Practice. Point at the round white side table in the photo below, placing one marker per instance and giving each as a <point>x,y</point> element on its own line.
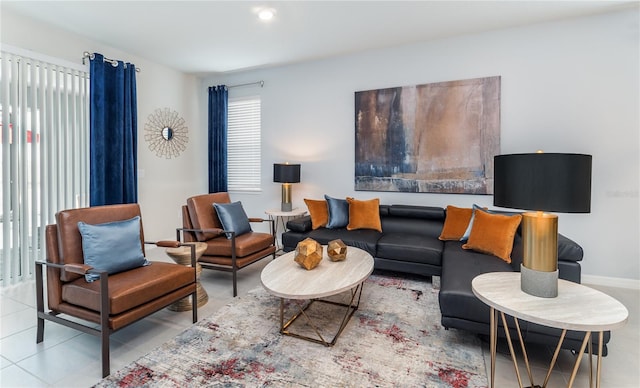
<point>280,219</point>
<point>576,307</point>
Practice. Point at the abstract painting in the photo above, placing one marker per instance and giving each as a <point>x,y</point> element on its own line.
<point>431,138</point>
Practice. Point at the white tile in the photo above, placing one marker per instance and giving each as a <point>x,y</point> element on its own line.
<point>24,293</point>
<point>17,322</point>
<point>65,358</point>
<point>10,306</point>
<point>4,363</point>
<point>14,376</point>
<point>23,344</point>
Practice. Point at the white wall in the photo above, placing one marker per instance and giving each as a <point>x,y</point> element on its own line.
<point>163,184</point>
<point>568,86</point>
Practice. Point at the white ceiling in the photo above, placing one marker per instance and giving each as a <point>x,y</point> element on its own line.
<point>222,36</point>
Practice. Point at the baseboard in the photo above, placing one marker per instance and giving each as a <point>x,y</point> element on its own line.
<point>607,281</point>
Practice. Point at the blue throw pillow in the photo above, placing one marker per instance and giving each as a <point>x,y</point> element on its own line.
<point>113,246</point>
<point>233,218</point>
<point>338,212</point>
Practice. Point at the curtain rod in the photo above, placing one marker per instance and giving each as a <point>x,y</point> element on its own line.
<point>114,62</point>
<point>261,83</point>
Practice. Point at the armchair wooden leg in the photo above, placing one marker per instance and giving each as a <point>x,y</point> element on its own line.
<point>104,323</point>
<point>104,338</point>
<point>194,303</point>
<point>39,303</point>
<point>235,285</point>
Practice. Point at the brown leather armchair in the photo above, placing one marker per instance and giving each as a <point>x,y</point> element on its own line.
<point>115,300</point>
<point>201,223</point>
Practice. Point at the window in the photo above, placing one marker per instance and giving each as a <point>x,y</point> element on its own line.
<point>243,142</point>
<point>44,154</point>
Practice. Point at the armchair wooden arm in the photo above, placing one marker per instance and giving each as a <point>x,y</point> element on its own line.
<point>272,224</point>
<point>176,244</point>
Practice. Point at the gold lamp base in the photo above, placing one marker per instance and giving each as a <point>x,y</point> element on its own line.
<point>285,206</point>
<point>539,271</point>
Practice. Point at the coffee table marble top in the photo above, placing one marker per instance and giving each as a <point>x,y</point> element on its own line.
<point>577,307</point>
<point>285,278</point>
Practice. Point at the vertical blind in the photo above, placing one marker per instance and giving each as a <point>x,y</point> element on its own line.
<point>45,155</point>
<point>243,142</point>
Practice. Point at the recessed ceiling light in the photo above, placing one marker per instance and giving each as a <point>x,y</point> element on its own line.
<point>266,14</point>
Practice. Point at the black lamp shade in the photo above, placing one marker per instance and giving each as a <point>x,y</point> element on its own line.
<point>286,173</point>
<point>545,182</point>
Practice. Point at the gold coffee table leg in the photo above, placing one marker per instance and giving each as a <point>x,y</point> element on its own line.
<point>350,309</point>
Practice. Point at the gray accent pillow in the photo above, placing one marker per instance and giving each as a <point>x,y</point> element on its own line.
<point>338,212</point>
<point>113,246</point>
<point>233,218</point>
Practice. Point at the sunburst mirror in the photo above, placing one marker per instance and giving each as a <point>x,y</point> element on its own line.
<point>166,133</point>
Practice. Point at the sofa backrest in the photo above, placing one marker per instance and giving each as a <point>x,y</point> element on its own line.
<point>419,220</point>
<point>69,242</point>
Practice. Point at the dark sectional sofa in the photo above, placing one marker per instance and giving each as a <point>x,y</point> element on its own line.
<point>409,244</point>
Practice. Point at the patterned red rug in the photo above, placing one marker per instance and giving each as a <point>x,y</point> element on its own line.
<point>394,339</point>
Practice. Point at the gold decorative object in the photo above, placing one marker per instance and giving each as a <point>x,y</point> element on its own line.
<point>308,253</point>
<point>182,256</point>
<point>337,250</point>
<point>166,133</point>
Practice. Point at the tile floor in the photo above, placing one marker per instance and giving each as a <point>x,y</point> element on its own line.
<point>68,358</point>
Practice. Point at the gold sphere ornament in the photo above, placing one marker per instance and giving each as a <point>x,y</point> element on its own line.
<point>308,253</point>
<point>337,250</point>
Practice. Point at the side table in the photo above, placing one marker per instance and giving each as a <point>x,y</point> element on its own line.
<point>576,307</point>
<point>182,255</point>
<point>280,219</point>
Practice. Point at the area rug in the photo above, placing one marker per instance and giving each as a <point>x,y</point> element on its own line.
<point>394,339</point>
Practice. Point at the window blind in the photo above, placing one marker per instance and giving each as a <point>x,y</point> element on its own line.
<point>44,155</point>
<point>243,142</point>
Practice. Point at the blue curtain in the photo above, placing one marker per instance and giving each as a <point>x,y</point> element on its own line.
<point>218,98</point>
<point>113,133</point>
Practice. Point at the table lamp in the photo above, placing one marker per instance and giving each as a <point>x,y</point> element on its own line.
<point>286,174</point>
<point>542,182</point>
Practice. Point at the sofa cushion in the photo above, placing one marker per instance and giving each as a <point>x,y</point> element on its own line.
<point>427,228</point>
<point>246,244</point>
<point>459,267</point>
<point>338,212</point>
<point>364,214</point>
<point>493,234</point>
<point>456,223</point>
<point>568,250</point>
<point>413,211</point>
<point>130,288</point>
<point>318,212</point>
<point>365,239</point>
<point>410,247</point>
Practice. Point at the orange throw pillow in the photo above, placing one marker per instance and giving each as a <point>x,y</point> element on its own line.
<point>493,234</point>
<point>364,214</point>
<point>455,223</point>
<point>318,212</point>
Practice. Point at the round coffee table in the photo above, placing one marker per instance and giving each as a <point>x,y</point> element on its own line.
<point>182,255</point>
<point>285,278</point>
